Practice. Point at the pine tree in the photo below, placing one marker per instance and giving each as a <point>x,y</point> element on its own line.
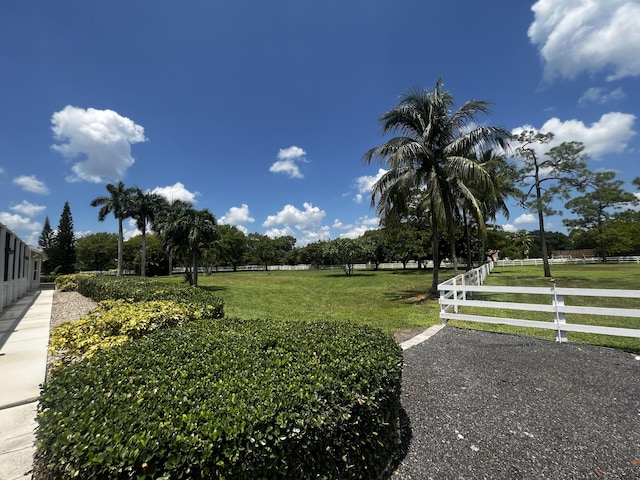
<point>63,252</point>
<point>46,244</point>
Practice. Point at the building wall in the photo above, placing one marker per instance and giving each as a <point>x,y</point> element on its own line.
<point>20,266</point>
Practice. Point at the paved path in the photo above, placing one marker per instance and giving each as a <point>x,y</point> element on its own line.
<point>489,406</point>
<point>24,336</point>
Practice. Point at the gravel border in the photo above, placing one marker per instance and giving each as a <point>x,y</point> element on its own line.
<point>483,405</point>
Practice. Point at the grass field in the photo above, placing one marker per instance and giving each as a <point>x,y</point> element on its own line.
<point>394,300</point>
<point>388,300</point>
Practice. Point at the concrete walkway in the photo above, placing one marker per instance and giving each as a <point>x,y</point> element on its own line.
<point>24,337</point>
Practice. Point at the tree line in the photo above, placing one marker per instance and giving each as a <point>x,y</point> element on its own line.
<point>447,178</point>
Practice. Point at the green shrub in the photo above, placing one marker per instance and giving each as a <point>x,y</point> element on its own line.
<point>115,322</point>
<point>234,399</point>
<point>67,283</point>
<point>138,289</point>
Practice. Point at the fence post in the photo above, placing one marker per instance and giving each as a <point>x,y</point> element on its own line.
<point>443,296</point>
<point>560,318</point>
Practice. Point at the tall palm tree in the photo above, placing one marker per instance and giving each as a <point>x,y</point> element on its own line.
<point>144,208</point>
<point>432,149</point>
<point>188,232</point>
<point>117,202</point>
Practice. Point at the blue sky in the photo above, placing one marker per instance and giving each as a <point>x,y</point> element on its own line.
<point>261,111</point>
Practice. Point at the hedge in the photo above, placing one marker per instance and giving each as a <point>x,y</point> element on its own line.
<point>138,289</point>
<point>114,322</point>
<point>233,399</point>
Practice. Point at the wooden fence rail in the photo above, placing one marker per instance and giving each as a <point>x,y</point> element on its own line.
<point>458,292</point>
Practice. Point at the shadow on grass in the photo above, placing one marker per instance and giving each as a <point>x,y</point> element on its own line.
<point>353,275</point>
<point>213,288</point>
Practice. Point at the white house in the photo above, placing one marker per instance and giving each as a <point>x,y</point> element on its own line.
<point>20,266</point>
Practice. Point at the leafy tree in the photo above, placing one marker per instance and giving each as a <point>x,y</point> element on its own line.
<point>231,245</point>
<point>312,253</point>
<point>97,251</point>
<point>345,252</point>
<point>117,202</point>
<point>547,177</point>
<point>429,155</point>
<point>260,250</point>
<point>63,252</point>
<point>375,246</point>
<point>144,206</point>
<point>284,247</point>
<point>157,260</point>
<point>596,207</point>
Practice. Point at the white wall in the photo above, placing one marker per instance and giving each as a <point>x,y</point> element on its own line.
<point>20,266</point>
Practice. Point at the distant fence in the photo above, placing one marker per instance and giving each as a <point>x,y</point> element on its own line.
<point>414,265</point>
<point>566,261</point>
<point>458,292</point>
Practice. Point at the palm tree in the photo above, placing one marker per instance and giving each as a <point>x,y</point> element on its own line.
<point>432,149</point>
<point>144,208</point>
<point>117,202</point>
<point>187,232</point>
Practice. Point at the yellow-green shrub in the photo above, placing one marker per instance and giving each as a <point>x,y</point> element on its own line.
<point>115,322</point>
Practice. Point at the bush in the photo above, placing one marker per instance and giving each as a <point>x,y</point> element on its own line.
<point>115,322</point>
<point>137,289</point>
<point>233,399</point>
<point>66,283</point>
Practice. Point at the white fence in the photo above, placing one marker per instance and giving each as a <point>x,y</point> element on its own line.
<point>458,292</point>
<point>565,261</point>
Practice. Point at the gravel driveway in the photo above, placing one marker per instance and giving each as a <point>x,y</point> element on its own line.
<point>491,406</point>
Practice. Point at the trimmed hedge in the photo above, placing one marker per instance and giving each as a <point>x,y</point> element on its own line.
<point>114,322</point>
<point>234,399</point>
<point>138,289</point>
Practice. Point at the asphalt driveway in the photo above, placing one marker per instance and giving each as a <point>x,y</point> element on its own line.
<point>490,406</point>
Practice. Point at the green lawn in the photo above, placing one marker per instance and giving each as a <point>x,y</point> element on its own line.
<point>394,300</point>
<point>610,276</point>
<point>389,300</point>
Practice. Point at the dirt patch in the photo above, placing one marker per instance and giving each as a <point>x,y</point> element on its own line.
<point>404,335</point>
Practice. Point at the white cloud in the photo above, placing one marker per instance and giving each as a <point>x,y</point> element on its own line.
<point>237,216</point>
<point>19,223</point>
<point>508,227</point>
<point>102,138</point>
<point>280,232</point>
<point>287,162</point>
<point>177,191</point>
<point>355,232</point>
<point>525,218</point>
<point>600,95</point>
<point>356,229</point>
<point>307,219</point>
<point>292,221</point>
<point>576,36</point>
<point>365,183</point>
<point>130,230</point>
<point>28,209</point>
<point>31,184</point>
<point>610,134</point>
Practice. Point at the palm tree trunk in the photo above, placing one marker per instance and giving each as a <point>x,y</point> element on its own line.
<point>454,258</point>
<point>195,269</point>
<point>143,254</point>
<point>435,253</point>
<point>120,246</point>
